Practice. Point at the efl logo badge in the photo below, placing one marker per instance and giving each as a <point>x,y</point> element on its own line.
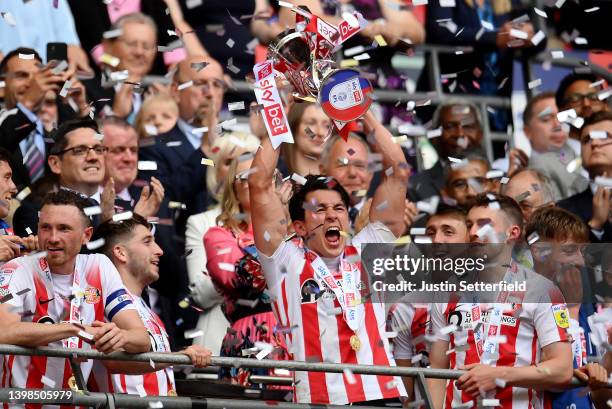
<point>561,315</point>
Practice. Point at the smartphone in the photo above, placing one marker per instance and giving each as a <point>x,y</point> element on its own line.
<point>57,52</point>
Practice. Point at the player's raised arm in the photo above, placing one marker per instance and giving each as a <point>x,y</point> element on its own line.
<point>267,210</point>
<point>389,199</point>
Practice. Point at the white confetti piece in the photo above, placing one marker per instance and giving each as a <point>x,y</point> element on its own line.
<point>156,405</point>
<point>59,68</point>
<point>391,334</point>
<point>193,333</point>
<point>47,381</point>
<point>535,83</point>
<point>266,236</point>
<point>494,174</point>
<point>263,353</point>
<point>85,335</point>
<point>361,57</point>
<point>10,20</point>
<point>28,230</point>
<point>96,244</point>
<point>417,231</point>
<point>487,25</point>
<point>298,179</point>
<point>581,41</point>
<point>208,162</point>
<point>26,56</point>
<point>147,165</point>
<point>603,181</point>
<point>519,34</point>
<point>174,144</point>
<point>574,165</point>
<point>226,266</point>
<point>185,85</point>
<point>285,4</point>
<point>540,13</point>
<point>230,43</point>
<point>447,3</point>
<point>533,237</point>
<point>465,405</point>
<point>176,205</point>
<point>423,240</point>
<point>490,402</point>
<point>247,303</point>
<point>420,2</point>
<point>591,10</point>
<point>112,33</point>
<point>598,135</point>
<point>199,131</point>
<point>122,216</point>
<point>150,129</point>
<point>193,3</point>
<point>64,91</point>
<point>350,377</point>
<point>235,106</point>
<point>557,54</point>
<point>416,358</point>
<point>110,60</point>
<point>500,383</point>
<point>23,194</point>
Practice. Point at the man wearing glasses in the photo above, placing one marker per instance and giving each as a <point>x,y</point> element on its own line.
<point>465,179</point>
<point>130,45</point>
<point>593,204</point>
<point>581,92</point>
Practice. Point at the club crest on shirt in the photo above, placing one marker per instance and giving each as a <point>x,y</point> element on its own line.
<point>42,263</point>
<point>310,291</point>
<point>92,295</point>
<point>5,278</point>
<point>561,315</point>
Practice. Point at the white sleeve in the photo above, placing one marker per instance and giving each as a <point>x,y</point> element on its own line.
<point>274,267</point>
<point>17,288</point>
<point>437,322</point>
<point>376,232</point>
<point>194,242</point>
<point>551,318</point>
<point>401,316</point>
<point>116,297</point>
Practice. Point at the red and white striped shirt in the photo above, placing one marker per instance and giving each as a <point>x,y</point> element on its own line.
<point>527,328</point>
<point>410,321</point>
<point>319,332</point>
<point>44,299</point>
<point>158,383</point>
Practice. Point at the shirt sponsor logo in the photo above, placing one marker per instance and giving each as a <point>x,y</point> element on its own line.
<point>561,315</point>
<point>463,319</point>
<point>276,119</point>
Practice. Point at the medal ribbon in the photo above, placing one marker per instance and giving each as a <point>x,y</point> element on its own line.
<point>348,294</point>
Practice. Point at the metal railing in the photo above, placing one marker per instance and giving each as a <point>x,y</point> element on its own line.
<point>110,400</point>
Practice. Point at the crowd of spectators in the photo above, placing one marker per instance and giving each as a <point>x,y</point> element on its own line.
<point>131,165</point>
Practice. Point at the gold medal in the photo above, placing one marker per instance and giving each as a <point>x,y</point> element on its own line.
<point>355,342</point>
<point>172,392</point>
<point>72,384</point>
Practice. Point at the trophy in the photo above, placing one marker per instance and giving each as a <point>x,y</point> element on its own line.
<point>304,56</point>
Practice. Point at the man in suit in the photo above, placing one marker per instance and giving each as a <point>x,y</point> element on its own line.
<point>178,154</point>
<point>461,133</point>
<point>29,87</point>
<point>593,203</point>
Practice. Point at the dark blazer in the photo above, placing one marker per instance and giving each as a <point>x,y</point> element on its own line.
<point>91,21</point>
<point>179,169</point>
<point>14,129</point>
<point>581,204</point>
<point>426,183</point>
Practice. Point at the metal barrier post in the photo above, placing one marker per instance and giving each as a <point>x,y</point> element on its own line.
<point>421,383</point>
<point>78,374</point>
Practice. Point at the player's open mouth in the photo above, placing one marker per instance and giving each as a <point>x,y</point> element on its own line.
<point>332,235</point>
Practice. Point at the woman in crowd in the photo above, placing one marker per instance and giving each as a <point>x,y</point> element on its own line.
<point>310,127</point>
<point>212,322</point>
<point>235,270</point>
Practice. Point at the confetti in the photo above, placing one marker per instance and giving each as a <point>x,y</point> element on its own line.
<point>230,43</point>
<point>522,196</point>
<point>350,378</point>
<point>59,68</point>
<point>85,335</point>
<point>64,91</point>
<point>207,162</point>
<point>380,40</point>
<point>26,56</point>
<point>557,54</point>
<point>434,133</point>
<point>96,244</point>
<point>266,236</point>
<point>490,402</point>
<point>226,266</point>
<point>447,3</point>
<point>247,303</point>
<point>199,131</point>
<point>448,329</point>
<point>28,230</point>
<point>109,60</point>
<point>519,34</point>
<point>598,135</point>
<point>147,165</point>
<point>361,57</point>
<point>112,33</point>
<point>263,353</point>
<point>176,205</point>
<point>574,165</point>
<point>298,179</point>
<point>465,405</point>
<point>199,66</point>
<point>47,381</point>
<point>540,13</point>
<point>193,3</point>
<point>591,10</point>
<point>235,106</point>
<point>416,358</point>
<point>23,194</point>
<point>156,405</point>
<point>494,174</point>
<point>535,83</point>
<point>603,181</point>
<point>122,216</point>
<point>185,85</point>
<point>150,129</point>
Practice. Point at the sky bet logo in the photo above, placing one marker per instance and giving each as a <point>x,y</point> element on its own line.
<point>274,117</point>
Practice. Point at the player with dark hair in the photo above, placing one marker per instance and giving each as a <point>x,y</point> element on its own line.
<point>327,260</point>
<point>64,299</point>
